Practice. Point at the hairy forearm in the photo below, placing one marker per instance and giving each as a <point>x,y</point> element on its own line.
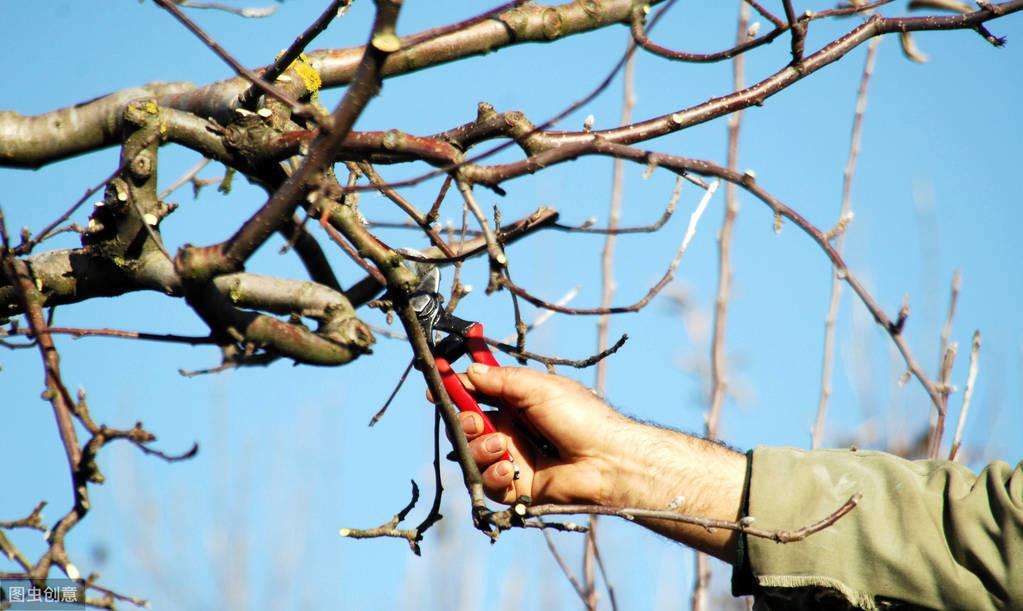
<point>657,468</point>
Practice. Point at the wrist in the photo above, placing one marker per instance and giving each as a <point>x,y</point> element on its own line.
<point>652,468</point>
<point>640,467</point>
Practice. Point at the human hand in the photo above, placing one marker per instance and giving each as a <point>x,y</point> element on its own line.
<point>604,458</point>
<point>583,428</point>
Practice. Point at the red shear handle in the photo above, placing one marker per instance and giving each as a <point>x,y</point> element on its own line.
<point>463,400</point>
<point>477,347</point>
<point>480,353</point>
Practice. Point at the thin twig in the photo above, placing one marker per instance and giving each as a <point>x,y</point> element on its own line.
<point>401,381</point>
<point>971,379</point>
<point>309,251</point>
<point>603,574</point>
<point>458,290</point>
<point>694,218</point>
<point>78,332</point>
<point>434,515</point>
<point>541,218</point>
<point>844,215</point>
<point>608,286</point>
<point>946,329</point>
<point>349,249</point>
<point>607,281</point>
<point>504,518</point>
<point>565,569</point>
<point>390,528</point>
<point>56,392</point>
<point>405,206</point>
<point>946,357</point>
<point>498,260</point>
<point>669,210</point>
<point>719,383</point>
<point>553,360</point>
<point>718,367</point>
<point>189,176</point>
<point>431,216</point>
<point>247,12</point>
<point>545,315</point>
<point>520,326</point>
<point>533,356</point>
<point>33,520</point>
<point>336,8</point>
<point>945,388</point>
<point>743,44</point>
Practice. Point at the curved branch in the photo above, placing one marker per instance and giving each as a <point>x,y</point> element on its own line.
<point>758,93</point>
<point>554,360</point>
<point>640,36</point>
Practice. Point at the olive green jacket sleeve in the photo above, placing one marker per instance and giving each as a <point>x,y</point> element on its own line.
<point>927,534</point>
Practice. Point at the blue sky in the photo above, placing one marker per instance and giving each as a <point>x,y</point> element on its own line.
<point>286,458</point>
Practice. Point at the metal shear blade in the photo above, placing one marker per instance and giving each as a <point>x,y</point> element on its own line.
<point>426,299</point>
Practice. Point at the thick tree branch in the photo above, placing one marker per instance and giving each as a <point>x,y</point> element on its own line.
<point>267,87</point>
<point>34,141</point>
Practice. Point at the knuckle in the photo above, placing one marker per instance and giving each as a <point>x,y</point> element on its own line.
<point>471,424</point>
<point>479,450</point>
<point>497,476</point>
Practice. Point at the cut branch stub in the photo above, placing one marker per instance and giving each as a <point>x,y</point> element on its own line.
<point>117,227</point>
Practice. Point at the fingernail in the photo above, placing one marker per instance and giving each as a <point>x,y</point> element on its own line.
<point>494,444</point>
<point>471,424</point>
<point>479,368</point>
<point>504,468</point>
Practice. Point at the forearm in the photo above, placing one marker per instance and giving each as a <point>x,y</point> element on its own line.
<point>654,468</point>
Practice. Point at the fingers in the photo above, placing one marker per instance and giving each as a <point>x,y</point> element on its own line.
<point>514,386</point>
<point>497,481</point>
<point>472,424</point>
<point>487,450</point>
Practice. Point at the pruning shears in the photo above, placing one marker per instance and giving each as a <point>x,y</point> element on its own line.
<point>463,337</point>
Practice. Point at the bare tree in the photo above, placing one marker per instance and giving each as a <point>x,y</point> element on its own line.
<point>267,125</point>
